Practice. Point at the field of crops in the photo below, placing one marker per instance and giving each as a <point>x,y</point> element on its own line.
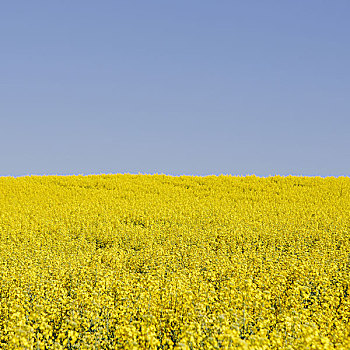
<point>161,262</point>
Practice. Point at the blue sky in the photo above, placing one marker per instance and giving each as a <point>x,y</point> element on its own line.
<point>175,87</point>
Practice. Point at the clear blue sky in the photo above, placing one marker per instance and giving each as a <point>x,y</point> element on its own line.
<point>176,87</point>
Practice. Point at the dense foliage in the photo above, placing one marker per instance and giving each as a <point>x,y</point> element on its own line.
<point>161,262</point>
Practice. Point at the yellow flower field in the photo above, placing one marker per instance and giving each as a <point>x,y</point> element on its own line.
<point>161,262</point>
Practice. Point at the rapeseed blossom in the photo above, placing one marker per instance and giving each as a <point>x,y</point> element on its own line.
<point>161,262</point>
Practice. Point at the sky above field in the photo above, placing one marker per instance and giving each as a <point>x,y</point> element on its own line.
<point>177,87</point>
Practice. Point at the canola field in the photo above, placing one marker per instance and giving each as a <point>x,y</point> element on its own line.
<point>161,262</point>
